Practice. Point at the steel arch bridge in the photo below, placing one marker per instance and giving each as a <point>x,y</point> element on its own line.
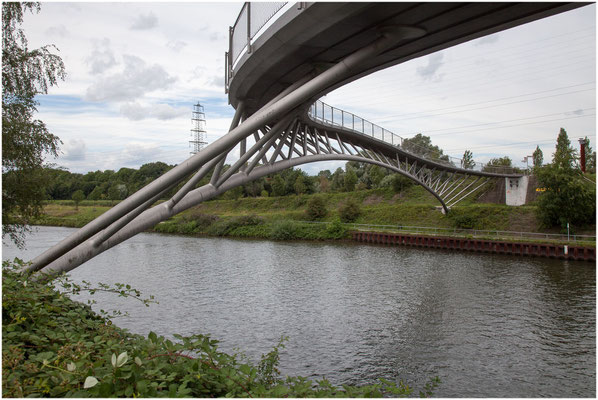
<point>277,124</point>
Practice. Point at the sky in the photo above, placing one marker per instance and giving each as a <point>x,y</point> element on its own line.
<point>135,70</point>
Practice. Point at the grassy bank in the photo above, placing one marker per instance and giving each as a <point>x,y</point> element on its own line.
<point>282,217</point>
<point>55,347</point>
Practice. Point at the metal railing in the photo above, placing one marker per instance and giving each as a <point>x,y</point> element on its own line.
<point>335,117</point>
<point>252,18</point>
<point>479,233</point>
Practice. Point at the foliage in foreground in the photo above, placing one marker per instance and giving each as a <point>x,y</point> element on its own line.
<point>55,347</point>
<point>26,73</point>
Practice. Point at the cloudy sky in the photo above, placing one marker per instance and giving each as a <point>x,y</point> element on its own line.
<point>136,69</point>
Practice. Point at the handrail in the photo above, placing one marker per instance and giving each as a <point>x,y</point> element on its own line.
<point>247,27</point>
<point>329,115</point>
<point>251,19</point>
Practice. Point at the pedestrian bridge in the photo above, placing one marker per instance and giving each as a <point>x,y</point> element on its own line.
<point>281,59</point>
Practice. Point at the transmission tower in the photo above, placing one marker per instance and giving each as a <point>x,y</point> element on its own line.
<point>198,132</point>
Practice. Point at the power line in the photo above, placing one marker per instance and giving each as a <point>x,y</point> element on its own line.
<point>513,144</point>
<point>486,107</point>
<point>504,121</point>
<point>413,100</point>
<point>499,99</point>
<point>550,55</point>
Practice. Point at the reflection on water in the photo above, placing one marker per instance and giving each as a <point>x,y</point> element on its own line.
<point>487,325</point>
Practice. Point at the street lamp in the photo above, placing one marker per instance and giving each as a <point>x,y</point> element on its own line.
<point>526,161</point>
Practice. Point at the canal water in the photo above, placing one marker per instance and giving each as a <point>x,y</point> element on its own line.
<point>487,325</point>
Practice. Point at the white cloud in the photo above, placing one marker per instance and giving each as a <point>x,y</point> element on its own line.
<point>429,72</point>
<point>137,79</point>
<point>101,58</point>
<point>139,153</point>
<point>176,45</point>
<point>59,30</point>
<point>74,150</point>
<point>136,112</point>
<point>145,22</point>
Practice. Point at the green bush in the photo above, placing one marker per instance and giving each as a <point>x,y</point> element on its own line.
<point>224,227</point>
<point>55,347</point>
<point>349,210</point>
<point>316,208</point>
<point>464,221</point>
<point>201,220</point>
<point>284,230</point>
<point>336,230</point>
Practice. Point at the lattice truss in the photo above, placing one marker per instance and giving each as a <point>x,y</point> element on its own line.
<point>301,142</point>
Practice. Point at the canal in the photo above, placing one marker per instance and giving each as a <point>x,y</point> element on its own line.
<point>487,325</point>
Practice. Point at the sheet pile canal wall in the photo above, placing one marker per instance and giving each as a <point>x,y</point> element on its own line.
<point>565,252</point>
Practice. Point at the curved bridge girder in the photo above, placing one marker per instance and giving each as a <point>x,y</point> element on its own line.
<point>287,144</point>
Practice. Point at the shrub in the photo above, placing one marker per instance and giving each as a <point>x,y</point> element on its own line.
<point>336,230</point>
<point>316,208</point>
<point>284,230</point>
<point>201,220</point>
<point>400,182</point>
<point>349,211</point>
<point>464,221</point>
<point>224,227</point>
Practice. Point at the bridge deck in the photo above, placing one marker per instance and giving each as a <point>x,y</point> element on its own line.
<point>319,34</point>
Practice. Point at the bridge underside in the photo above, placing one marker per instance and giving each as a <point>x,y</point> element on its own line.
<point>320,34</point>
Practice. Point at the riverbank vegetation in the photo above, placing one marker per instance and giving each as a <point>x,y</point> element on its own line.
<point>299,216</point>
<point>56,347</point>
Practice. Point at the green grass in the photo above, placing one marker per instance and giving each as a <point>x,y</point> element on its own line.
<point>414,206</point>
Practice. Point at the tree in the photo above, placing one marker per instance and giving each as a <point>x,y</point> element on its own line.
<point>350,180</point>
<point>590,157</point>
<point>376,175</point>
<point>78,197</point>
<point>316,207</point>
<point>564,155</point>
<point>538,157</point>
<point>25,141</point>
<point>467,161</point>
<point>324,184</point>
<point>278,186</point>
<point>422,145</point>
<point>567,199</point>
<point>96,193</point>
<point>299,185</point>
<point>338,179</point>
<point>500,164</point>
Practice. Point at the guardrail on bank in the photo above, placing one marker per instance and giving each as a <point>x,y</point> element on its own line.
<point>335,117</point>
<point>477,233</point>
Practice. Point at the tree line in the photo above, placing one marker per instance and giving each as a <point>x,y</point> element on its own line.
<point>60,184</point>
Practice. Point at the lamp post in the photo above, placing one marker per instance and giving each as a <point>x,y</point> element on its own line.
<point>526,161</point>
